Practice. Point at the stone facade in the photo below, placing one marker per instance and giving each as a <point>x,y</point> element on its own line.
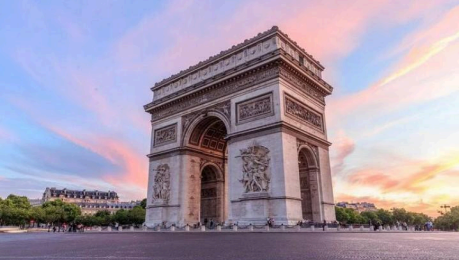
<point>242,137</point>
<point>90,202</point>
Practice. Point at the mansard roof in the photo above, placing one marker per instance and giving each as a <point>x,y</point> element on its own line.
<point>235,48</point>
<point>57,192</point>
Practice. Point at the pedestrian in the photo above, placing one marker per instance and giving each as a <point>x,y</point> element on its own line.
<point>205,222</point>
<point>325,223</point>
<point>211,224</point>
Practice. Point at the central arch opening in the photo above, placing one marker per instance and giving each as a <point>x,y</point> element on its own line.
<point>305,185</point>
<point>208,137</point>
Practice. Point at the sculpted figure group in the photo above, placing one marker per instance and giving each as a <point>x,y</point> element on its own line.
<point>256,177</point>
<point>162,184</point>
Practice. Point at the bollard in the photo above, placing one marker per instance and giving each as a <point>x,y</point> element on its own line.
<point>351,228</point>
<point>372,228</point>
<point>282,227</point>
<point>338,228</point>
<point>158,228</point>
<point>187,228</point>
<point>120,228</point>
<point>173,228</point>
<point>298,228</point>
<point>99,229</point>
<point>234,227</point>
<point>109,229</point>
<point>203,228</point>
<point>144,228</point>
<point>361,228</point>
<point>219,228</point>
<point>313,228</point>
<point>250,227</point>
<point>325,228</point>
<point>131,228</point>
<point>267,227</point>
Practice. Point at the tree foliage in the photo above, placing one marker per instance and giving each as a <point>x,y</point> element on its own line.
<point>381,216</point>
<point>17,211</point>
<point>448,221</point>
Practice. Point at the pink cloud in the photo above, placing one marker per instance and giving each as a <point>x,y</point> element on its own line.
<point>343,146</point>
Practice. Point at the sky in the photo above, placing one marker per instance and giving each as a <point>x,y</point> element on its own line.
<point>74,76</point>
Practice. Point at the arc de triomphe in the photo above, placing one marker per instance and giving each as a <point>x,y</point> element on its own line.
<point>241,137</point>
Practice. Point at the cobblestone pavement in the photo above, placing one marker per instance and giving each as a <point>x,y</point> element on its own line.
<point>276,246</point>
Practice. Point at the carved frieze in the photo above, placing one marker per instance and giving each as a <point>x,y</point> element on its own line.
<point>217,91</point>
<point>254,108</point>
<point>255,168</point>
<point>162,184</point>
<point>302,112</point>
<point>301,84</point>
<point>165,135</point>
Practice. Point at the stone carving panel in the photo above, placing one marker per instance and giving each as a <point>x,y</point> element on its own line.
<point>302,112</point>
<point>255,168</point>
<point>165,135</point>
<point>162,184</point>
<point>255,108</point>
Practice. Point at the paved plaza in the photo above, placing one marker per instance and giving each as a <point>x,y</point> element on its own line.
<point>194,245</point>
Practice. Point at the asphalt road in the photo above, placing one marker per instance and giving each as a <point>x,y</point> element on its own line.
<point>203,246</point>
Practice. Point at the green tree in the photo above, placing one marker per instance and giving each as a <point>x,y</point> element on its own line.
<point>143,203</point>
<point>385,216</point>
<point>371,216</point>
<point>137,215</point>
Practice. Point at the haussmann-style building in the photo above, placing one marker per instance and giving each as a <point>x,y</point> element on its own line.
<point>241,137</point>
<point>89,201</point>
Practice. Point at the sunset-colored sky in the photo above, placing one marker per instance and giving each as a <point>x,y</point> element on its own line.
<point>74,76</point>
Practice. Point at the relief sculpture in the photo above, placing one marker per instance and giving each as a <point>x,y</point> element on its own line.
<point>162,184</point>
<point>256,176</point>
<point>301,112</point>
<point>255,108</point>
<point>166,135</point>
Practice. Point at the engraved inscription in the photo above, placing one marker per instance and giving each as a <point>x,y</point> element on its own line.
<point>166,135</point>
<point>255,108</point>
<point>302,112</point>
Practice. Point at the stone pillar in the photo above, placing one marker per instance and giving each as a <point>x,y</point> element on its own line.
<point>99,229</point>
<point>315,195</point>
<point>219,228</point>
<point>267,227</point>
<point>282,227</point>
<point>120,228</point>
<point>203,228</point>
<point>187,228</point>
<point>313,228</point>
<point>361,228</point>
<point>234,227</point>
<point>298,228</point>
<point>250,227</point>
<point>173,228</point>
<point>131,228</point>
<point>109,229</point>
<point>338,228</point>
<point>351,228</point>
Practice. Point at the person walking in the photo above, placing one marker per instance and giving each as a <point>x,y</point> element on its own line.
<point>325,223</point>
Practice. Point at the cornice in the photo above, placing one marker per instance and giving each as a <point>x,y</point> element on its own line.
<point>237,47</point>
<point>270,40</point>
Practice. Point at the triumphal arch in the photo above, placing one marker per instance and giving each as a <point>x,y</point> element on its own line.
<point>241,137</point>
